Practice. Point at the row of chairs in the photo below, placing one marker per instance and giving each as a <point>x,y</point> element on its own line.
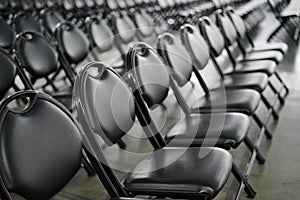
<point>287,13</point>
<point>243,80</point>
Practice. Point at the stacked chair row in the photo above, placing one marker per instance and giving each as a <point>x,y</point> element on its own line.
<point>235,81</point>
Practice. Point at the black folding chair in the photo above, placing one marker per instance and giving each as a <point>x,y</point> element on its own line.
<point>40,159</point>
<point>112,115</point>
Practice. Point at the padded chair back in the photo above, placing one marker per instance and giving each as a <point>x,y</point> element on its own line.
<point>25,22</point>
<point>100,34</point>
<point>150,73</point>
<point>39,4</point>
<point>73,42</point>
<point>36,55</point>
<point>175,56</point>
<point>227,27</point>
<point>41,147</point>
<point>196,45</point>
<point>7,35</point>
<point>8,73</point>
<point>68,5</point>
<point>106,101</point>
<point>3,5</point>
<point>51,19</point>
<point>15,4</point>
<point>212,35</point>
<point>238,23</point>
<point>125,31</point>
<point>27,5</point>
<point>216,42</point>
<point>145,29</point>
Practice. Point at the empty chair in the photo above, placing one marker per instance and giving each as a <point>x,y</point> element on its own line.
<point>42,62</point>
<point>45,163</point>
<point>201,178</point>
<point>145,28</point>
<point>51,19</point>
<point>26,22</point>
<point>35,171</point>
<point>124,31</point>
<point>102,41</point>
<point>72,44</point>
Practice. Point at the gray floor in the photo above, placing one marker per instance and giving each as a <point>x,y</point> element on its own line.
<point>279,178</point>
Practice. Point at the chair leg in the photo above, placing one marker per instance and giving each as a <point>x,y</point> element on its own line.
<point>239,176</point>
<point>280,79</point>
<point>87,166</point>
<point>281,100</point>
<point>262,126</point>
<point>269,106</point>
<point>252,147</point>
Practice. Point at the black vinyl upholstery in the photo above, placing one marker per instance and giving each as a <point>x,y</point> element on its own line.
<point>8,73</point>
<point>7,35</point>
<point>197,179</point>
<point>39,158</point>
<point>31,46</point>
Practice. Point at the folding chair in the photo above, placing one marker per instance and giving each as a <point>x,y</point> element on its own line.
<point>198,177</point>
<point>38,164</point>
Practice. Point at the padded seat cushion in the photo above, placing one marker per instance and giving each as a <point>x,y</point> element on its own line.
<point>243,101</point>
<point>189,173</point>
<point>264,55</point>
<point>266,66</point>
<point>256,81</point>
<point>275,46</point>
<point>222,130</point>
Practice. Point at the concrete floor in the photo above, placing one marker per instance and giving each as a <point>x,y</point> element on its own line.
<point>279,178</point>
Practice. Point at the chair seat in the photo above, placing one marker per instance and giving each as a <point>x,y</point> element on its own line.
<point>267,67</point>
<point>256,81</point>
<point>221,130</point>
<point>264,55</point>
<point>190,174</point>
<point>273,46</point>
<point>242,101</point>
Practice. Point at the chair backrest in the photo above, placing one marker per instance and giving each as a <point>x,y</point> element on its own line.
<point>36,55</point>
<point>216,42</point>
<point>196,45</point>
<point>68,5</point>
<point>124,30</point>
<point>175,56</point>
<point>72,42</point>
<point>145,28</point>
<point>100,34</point>
<point>51,19</point>
<point>106,101</point>
<point>38,159</point>
<point>27,5</point>
<point>8,73</point>
<point>150,73</point>
<point>7,35</point>
<point>26,22</point>
<point>227,27</point>
<point>212,35</point>
<point>39,4</point>
<point>238,22</point>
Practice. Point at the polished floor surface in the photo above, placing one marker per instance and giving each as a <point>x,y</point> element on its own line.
<point>279,178</point>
